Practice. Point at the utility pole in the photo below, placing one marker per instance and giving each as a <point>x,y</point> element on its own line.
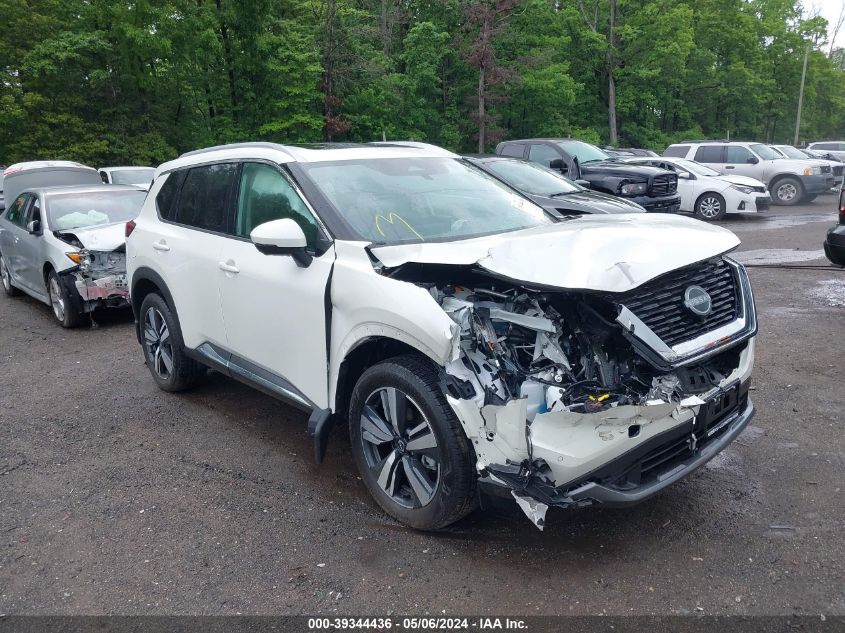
<point>801,95</point>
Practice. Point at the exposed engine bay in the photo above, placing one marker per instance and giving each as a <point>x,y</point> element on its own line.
<point>550,389</point>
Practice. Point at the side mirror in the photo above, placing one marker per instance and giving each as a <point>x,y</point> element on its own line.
<point>33,227</point>
<point>282,237</point>
<point>583,183</point>
<point>557,163</point>
<point>752,160</point>
<point>684,174</point>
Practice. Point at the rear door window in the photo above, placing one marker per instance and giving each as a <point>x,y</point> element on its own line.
<point>203,199</point>
<point>543,154</point>
<point>709,154</point>
<point>678,151</point>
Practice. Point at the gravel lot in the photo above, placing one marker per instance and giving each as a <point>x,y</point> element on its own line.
<point>118,498</point>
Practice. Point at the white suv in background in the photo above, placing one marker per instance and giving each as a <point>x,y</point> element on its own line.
<point>836,149</point>
<point>464,336</point>
<point>789,181</point>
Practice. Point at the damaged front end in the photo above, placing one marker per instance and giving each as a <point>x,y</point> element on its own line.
<point>578,397</point>
<point>99,278</point>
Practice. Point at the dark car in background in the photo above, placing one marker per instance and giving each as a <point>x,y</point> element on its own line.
<point>656,190</point>
<point>554,192</point>
<point>834,245</point>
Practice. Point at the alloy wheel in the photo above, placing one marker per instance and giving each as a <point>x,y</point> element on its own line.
<point>787,191</point>
<point>157,343</point>
<point>400,447</point>
<point>56,299</point>
<point>710,207</point>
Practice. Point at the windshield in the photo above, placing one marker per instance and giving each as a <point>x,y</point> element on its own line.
<point>132,176</point>
<point>765,152</point>
<point>82,210</point>
<point>584,152</point>
<point>395,200</point>
<point>531,177</point>
<point>696,168</point>
<point>791,152</point>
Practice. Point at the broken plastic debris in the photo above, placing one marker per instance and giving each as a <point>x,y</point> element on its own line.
<point>533,509</point>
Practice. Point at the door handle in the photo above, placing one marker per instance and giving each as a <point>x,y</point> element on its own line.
<point>228,267</point>
<point>729,167</point>
<point>161,246</point>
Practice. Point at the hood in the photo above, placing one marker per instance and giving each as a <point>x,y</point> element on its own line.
<point>746,181</point>
<point>793,164</point>
<point>106,237</point>
<point>615,168</point>
<point>608,253</point>
<point>588,202</point>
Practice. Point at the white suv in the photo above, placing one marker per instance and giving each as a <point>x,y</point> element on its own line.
<point>789,181</point>
<point>467,338</point>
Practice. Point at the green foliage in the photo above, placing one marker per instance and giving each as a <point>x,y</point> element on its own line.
<point>109,82</point>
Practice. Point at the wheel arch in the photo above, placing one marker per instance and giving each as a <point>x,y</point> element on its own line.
<point>364,354</point>
<point>146,281</point>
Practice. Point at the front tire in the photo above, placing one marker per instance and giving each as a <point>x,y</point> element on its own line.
<point>64,308</point>
<point>6,277</point>
<point>710,207</point>
<point>164,350</point>
<point>409,447</point>
<point>787,192</point>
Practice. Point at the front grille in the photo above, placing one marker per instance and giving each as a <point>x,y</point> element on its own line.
<point>660,302</point>
<point>763,203</point>
<point>663,185</point>
<point>837,170</point>
<point>825,169</point>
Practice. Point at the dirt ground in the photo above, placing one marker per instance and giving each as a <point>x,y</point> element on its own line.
<point>117,498</point>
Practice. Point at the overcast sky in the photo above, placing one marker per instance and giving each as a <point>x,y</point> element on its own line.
<point>830,11</point>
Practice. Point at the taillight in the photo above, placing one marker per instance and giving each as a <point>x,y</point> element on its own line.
<point>130,226</point>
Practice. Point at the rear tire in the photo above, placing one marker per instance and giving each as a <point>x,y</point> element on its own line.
<point>6,276</point>
<point>409,447</point>
<point>164,350</point>
<point>787,191</point>
<point>710,207</point>
<point>63,307</point>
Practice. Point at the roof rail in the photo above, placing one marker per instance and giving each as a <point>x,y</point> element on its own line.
<point>217,148</point>
<point>415,144</point>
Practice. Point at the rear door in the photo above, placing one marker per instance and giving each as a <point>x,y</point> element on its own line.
<point>275,310</point>
<point>186,246</point>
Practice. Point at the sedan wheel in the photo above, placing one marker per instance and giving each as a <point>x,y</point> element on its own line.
<point>711,206</point>
<point>399,445</point>
<point>56,299</point>
<point>6,276</point>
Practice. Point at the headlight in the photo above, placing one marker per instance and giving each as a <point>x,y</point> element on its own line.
<point>633,188</point>
<point>742,188</point>
<point>78,257</point>
<point>812,171</point>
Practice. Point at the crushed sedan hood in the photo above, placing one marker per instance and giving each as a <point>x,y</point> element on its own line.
<point>608,253</point>
<point>105,237</point>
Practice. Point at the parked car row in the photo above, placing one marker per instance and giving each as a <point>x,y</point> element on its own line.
<point>62,238</point>
<point>477,323</point>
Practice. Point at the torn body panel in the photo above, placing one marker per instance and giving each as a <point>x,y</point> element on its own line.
<point>554,396</point>
<point>100,275</point>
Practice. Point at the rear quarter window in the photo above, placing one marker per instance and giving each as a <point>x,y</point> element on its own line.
<point>677,151</point>
<point>166,197</point>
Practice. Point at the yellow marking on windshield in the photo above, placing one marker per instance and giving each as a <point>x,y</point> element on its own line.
<point>391,219</point>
